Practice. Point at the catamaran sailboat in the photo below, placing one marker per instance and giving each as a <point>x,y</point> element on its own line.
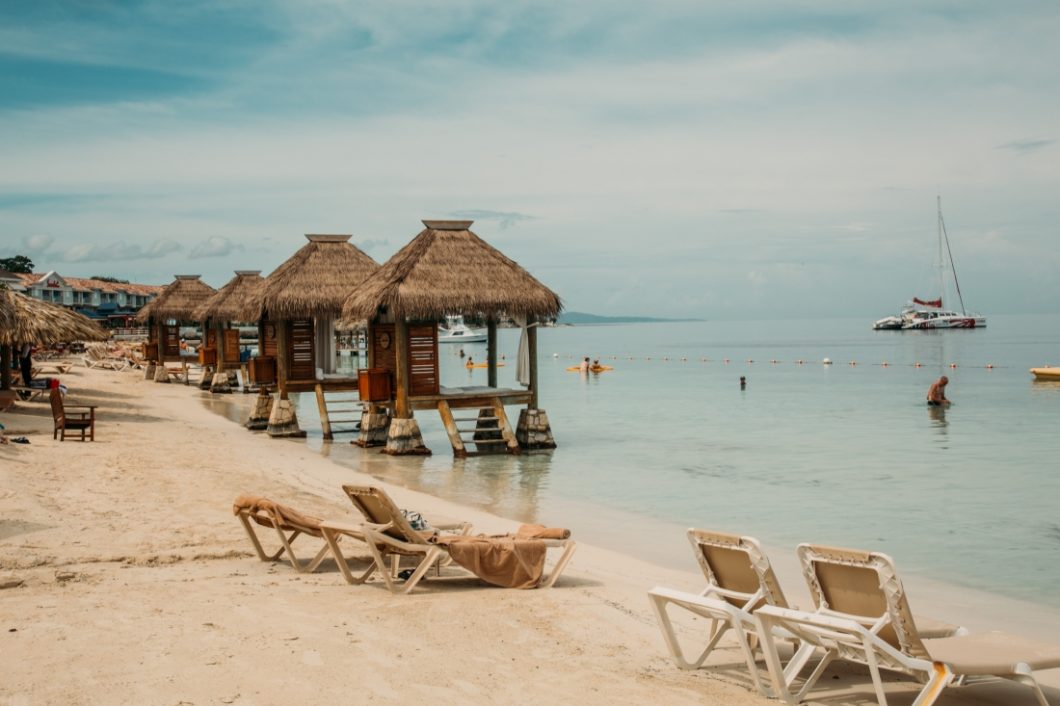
<point>928,313</point>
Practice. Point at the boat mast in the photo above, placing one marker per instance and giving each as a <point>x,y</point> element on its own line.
<point>953,267</point>
<point>942,263</point>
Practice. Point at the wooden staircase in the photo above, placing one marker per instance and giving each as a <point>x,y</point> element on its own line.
<point>489,432</point>
<point>341,408</point>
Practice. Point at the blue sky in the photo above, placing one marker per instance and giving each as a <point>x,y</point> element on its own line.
<point>718,160</point>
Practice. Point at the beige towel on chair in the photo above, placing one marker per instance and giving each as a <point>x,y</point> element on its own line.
<point>501,561</point>
<point>290,519</point>
<point>542,532</point>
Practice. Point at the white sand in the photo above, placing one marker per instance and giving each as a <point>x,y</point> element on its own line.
<point>140,587</point>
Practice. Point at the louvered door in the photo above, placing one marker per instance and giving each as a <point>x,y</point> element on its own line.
<point>423,359</point>
<point>171,341</point>
<point>300,355</point>
<point>231,345</point>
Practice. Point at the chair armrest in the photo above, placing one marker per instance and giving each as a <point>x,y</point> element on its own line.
<point>80,406</point>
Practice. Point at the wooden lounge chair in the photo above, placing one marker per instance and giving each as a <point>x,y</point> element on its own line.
<point>287,522</point>
<point>862,615</point>
<point>740,580</point>
<point>83,421</point>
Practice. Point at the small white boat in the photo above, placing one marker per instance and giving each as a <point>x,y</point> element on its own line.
<point>455,331</point>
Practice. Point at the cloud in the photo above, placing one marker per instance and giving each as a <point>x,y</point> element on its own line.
<point>214,246</point>
<point>1026,146</point>
<point>372,243</point>
<point>120,251</point>
<point>506,219</point>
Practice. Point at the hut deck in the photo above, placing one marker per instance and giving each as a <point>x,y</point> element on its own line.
<point>465,397</point>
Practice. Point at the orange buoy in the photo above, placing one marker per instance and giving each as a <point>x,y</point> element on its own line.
<point>884,363</point>
<point>953,365</point>
<point>917,365</point>
<point>989,366</point>
<point>853,362</point>
<point>726,360</point>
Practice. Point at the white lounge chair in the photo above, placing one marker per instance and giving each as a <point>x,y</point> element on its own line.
<point>862,615</point>
<point>740,580</point>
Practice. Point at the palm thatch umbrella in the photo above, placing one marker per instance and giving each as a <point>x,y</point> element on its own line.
<point>178,302</point>
<point>447,269</point>
<point>223,307</point>
<point>27,320</point>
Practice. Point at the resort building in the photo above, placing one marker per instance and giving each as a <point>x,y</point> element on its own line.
<point>111,303</point>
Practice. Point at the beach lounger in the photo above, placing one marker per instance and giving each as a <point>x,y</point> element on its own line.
<point>83,419</point>
<point>288,523</point>
<point>390,535</point>
<point>740,580</point>
<point>862,615</point>
<point>51,369</point>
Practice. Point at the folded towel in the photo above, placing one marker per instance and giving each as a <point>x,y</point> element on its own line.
<point>542,532</point>
<point>288,518</point>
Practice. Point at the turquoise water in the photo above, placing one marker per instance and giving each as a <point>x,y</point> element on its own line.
<point>841,454</point>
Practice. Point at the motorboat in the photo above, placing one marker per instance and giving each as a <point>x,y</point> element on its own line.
<point>456,331</point>
<point>921,314</point>
<point>1046,373</point>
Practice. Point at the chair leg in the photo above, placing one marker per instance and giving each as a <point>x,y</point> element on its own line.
<point>333,542</point>
<point>432,555</point>
<point>941,677</point>
<point>257,544</point>
<point>560,565</point>
<point>659,603</point>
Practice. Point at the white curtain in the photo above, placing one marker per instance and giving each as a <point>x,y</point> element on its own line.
<point>522,366</point>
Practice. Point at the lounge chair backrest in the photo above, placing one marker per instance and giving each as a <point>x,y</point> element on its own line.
<point>58,413</point>
<point>379,509</point>
<point>864,585</point>
<point>739,566</point>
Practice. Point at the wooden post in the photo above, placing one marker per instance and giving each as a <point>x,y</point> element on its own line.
<point>218,342</point>
<point>281,358</point>
<point>531,344</point>
<point>401,368</point>
<point>325,420</point>
<point>491,352</point>
<point>5,367</point>
<point>451,429</point>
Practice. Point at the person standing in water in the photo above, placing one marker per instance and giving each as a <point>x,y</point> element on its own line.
<point>936,396</point>
<point>584,368</point>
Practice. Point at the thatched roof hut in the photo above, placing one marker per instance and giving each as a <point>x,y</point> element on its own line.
<point>447,269</point>
<point>314,282</point>
<point>230,301</point>
<point>180,300</point>
<point>27,320</point>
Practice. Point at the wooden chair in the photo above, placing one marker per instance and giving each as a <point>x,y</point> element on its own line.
<point>85,421</point>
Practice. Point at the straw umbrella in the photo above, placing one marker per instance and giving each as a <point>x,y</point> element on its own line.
<point>217,312</point>
<point>178,302</point>
<point>27,320</point>
<point>447,269</point>
<point>301,300</point>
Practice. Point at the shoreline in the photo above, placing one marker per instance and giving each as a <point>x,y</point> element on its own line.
<point>130,541</point>
<point>638,536</point>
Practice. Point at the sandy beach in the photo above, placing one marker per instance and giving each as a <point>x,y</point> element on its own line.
<point>129,581</point>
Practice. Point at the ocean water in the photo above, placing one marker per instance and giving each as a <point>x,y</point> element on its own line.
<point>846,454</point>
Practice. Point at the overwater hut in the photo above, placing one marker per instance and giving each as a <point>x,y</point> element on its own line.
<point>447,269</point>
<point>28,320</point>
<point>300,302</point>
<point>177,304</point>
<point>220,349</point>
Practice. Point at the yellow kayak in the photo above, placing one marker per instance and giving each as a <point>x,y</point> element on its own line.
<point>483,365</point>
<point>592,368</point>
<point>1046,373</point>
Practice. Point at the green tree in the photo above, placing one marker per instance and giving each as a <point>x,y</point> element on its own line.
<point>18,263</point>
<point>106,278</point>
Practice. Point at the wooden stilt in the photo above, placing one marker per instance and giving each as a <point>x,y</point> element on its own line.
<point>491,352</point>
<point>325,422</point>
<point>451,429</point>
<point>506,428</point>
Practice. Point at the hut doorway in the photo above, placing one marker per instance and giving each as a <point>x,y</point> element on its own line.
<point>301,358</point>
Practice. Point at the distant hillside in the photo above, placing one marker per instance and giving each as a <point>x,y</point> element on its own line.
<point>580,317</point>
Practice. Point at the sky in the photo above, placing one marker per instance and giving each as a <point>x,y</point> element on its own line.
<point>716,160</point>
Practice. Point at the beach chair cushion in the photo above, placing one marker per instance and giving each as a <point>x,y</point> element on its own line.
<point>992,653</point>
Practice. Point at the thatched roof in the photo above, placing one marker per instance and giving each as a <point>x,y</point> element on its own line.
<point>447,269</point>
<point>27,320</point>
<point>180,300</point>
<point>315,281</point>
<point>231,300</point>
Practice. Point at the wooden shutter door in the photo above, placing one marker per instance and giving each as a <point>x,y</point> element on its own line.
<point>268,342</point>
<point>301,362</point>
<point>423,359</point>
<point>171,342</point>
<point>231,342</point>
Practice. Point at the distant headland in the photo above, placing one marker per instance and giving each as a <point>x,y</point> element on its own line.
<point>580,317</point>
